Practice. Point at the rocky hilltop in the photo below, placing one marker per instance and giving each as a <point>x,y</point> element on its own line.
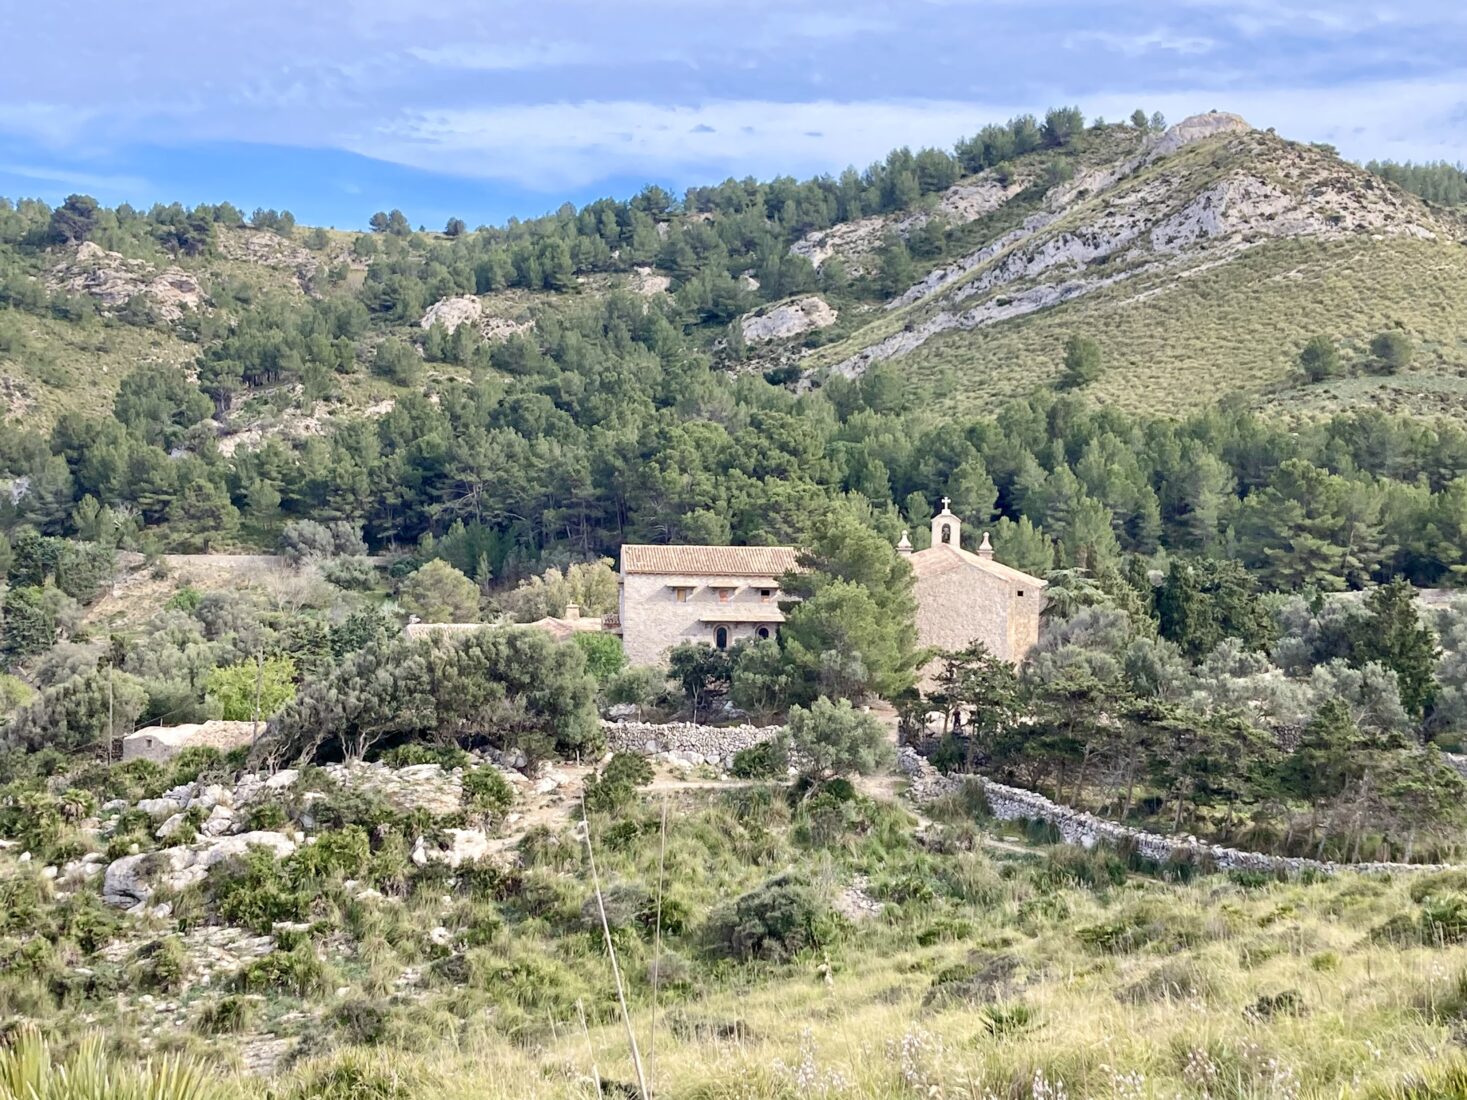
<point>1182,206</point>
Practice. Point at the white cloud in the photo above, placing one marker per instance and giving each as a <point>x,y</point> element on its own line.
<point>506,56</point>
<point>1159,40</point>
<point>80,179</point>
<point>573,144</point>
<point>562,145</point>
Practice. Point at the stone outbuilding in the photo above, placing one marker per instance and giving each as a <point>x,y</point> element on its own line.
<point>160,743</point>
<point>713,594</point>
<point>963,597</point>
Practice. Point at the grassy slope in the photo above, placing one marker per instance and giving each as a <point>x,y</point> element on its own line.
<point>1172,345</point>
<point>1173,342</point>
<point>895,1006</point>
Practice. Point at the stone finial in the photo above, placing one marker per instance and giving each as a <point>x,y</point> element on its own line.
<point>904,544</point>
<point>985,548</point>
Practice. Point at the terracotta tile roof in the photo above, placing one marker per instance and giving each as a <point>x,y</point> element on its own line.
<point>715,561</point>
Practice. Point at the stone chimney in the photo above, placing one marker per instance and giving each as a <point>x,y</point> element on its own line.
<point>573,610</point>
<point>904,545</point>
<point>985,548</point>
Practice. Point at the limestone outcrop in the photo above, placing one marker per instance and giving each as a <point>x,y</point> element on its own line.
<point>114,280</point>
<point>788,319</point>
<point>462,309</point>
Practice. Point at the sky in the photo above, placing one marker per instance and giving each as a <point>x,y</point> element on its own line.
<point>491,109</point>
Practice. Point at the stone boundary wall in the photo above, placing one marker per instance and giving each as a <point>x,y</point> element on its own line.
<point>1077,827</point>
<point>697,744</point>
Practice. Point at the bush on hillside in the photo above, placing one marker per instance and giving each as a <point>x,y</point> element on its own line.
<point>773,922</point>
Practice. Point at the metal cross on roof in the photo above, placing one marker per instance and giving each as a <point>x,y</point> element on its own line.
<point>945,502</point>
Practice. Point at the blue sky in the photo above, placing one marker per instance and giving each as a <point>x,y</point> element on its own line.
<point>490,109</point>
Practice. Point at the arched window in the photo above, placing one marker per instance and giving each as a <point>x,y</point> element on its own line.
<point>762,632</point>
<point>720,637</point>
<point>947,533</point>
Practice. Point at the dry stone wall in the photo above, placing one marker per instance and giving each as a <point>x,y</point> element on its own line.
<point>1077,827</point>
<point>692,743</point>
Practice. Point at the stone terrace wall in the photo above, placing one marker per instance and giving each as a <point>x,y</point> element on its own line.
<point>698,744</point>
<point>1077,827</point>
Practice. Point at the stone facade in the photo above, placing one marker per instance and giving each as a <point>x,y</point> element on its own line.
<point>963,597</point>
<point>1086,830</point>
<point>713,594</point>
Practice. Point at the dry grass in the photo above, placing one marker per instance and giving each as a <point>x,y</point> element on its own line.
<point>1176,345</point>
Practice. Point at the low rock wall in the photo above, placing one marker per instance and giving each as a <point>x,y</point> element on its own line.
<point>697,744</point>
<point>1078,827</point>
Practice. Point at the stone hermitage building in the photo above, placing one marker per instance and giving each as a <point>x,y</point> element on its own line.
<point>723,594</point>
<point>713,594</point>
<point>963,597</point>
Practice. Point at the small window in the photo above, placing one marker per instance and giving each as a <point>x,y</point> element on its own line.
<point>1021,593</point>
<point>720,637</point>
<point>763,632</point>
<point>682,594</point>
<point>766,594</point>
<point>725,594</point>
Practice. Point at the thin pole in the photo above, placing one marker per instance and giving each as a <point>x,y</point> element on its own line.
<point>657,940</point>
<point>621,996</point>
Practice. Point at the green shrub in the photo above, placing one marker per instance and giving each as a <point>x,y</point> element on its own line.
<point>1001,1021</point>
<point>299,971</point>
<point>256,892</point>
<point>198,761</point>
<point>615,786</point>
<point>1287,1002</point>
<point>1444,919</point>
<point>346,852</point>
<point>604,654</point>
<point>162,965</point>
<point>360,1022</point>
<point>267,816</point>
<point>766,760</point>
<point>486,791</point>
<point>227,1016</point>
<point>775,921</point>
<point>21,898</point>
<point>361,1075</point>
<point>413,753</point>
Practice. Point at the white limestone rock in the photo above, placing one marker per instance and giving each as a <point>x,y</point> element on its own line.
<point>463,309</point>
<point>788,319</point>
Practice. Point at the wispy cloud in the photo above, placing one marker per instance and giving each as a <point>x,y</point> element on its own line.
<point>1159,39</point>
<point>506,56</point>
<point>568,93</point>
<point>79,179</point>
<point>571,144</point>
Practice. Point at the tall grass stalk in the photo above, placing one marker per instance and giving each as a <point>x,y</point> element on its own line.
<point>621,996</point>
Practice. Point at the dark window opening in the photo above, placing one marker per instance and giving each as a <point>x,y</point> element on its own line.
<point>720,637</point>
